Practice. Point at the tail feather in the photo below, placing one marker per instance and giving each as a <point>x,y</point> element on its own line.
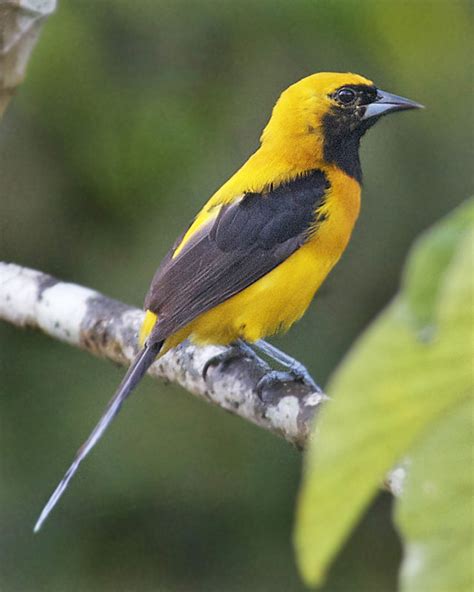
<point>134,374</point>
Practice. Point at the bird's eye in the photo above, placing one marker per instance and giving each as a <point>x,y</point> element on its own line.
<point>346,96</point>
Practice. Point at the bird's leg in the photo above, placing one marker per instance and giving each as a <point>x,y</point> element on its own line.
<point>295,369</point>
<point>238,349</point>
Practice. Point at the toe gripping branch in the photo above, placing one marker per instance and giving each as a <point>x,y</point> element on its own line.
<point>282,401</point>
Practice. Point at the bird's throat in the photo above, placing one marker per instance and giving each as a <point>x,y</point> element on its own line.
<point>343,151</point>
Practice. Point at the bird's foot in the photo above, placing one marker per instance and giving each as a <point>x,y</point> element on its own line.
<point>295,372</point>
<point>234,352</point>
<point>300,372</point>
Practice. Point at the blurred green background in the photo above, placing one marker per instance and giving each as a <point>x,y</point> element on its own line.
<point>132,114</point>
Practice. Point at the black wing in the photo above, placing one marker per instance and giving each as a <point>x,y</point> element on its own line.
<point>246,240</point>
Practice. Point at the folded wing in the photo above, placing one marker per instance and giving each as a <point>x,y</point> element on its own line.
<point>245,241</point>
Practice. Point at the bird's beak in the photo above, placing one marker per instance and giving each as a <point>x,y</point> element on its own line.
<point>388,103</point>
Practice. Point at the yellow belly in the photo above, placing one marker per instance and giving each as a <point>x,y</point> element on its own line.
<point>270,305</point>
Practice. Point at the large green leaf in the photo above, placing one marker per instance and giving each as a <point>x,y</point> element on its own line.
<point>424,274</point>
<point>393,386</point>
<point>435,513</point>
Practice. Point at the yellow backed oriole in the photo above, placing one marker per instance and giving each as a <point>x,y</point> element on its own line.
<point>251,261</point>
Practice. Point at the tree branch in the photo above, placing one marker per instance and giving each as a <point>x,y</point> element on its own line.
<point>108,328</point>
<point>20,24</point>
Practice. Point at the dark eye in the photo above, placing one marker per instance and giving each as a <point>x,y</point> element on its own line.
<point>346,96</point>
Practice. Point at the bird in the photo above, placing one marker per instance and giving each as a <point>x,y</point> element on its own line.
<point>251,261</point>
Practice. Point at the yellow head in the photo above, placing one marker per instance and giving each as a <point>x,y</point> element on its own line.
<point>322,117</point>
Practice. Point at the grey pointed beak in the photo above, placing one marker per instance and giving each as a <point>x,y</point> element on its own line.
<point>388,103</point>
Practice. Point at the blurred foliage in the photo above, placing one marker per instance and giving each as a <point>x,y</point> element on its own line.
<point>132,114</point>
<point>399,387</point>
<point>435,512</point>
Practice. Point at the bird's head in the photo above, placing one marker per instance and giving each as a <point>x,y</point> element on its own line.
<point>323,116</point>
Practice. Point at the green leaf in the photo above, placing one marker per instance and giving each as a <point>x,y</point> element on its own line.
<point>392,387</point>
<point>435,513</point>
<point>429,259</point>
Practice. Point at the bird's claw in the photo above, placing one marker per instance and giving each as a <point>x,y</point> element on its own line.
<point>278,376</point>
<point>299,372</point>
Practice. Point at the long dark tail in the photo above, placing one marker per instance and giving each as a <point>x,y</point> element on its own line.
<point>135,373</point>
